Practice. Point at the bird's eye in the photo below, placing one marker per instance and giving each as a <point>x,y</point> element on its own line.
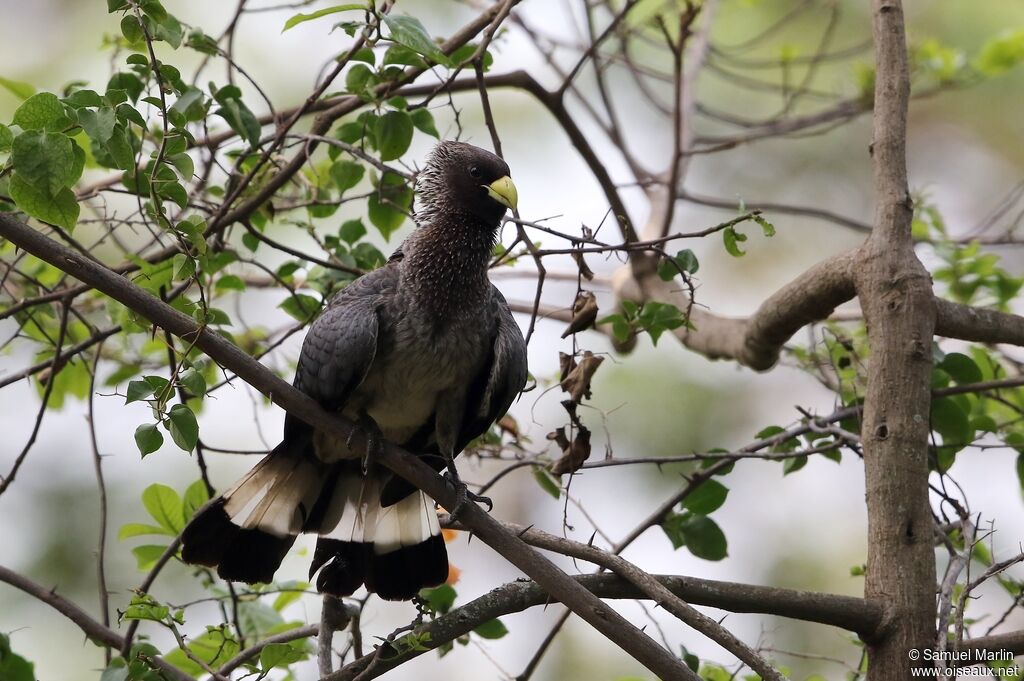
<point>475,172</point>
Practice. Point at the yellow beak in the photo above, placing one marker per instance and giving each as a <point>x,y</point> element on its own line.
<point>504,192</point>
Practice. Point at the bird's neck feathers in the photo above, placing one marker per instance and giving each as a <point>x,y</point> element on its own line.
<point>445,263</point>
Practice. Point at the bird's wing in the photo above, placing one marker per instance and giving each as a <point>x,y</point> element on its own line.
<point>500,378</point>
<point>341,344</point>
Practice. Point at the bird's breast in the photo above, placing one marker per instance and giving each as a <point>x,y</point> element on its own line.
<point>414,370</point>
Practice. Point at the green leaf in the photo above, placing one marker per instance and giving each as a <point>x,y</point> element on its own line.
<point>20,90</point>
<point>547,482</point>
<point>302,18</point>
<point>424,122</point>
<point>950,421</point>
<point>184,429</point>
<point>289,596</point>
<point>352,231</point>
<point>365,54</point>
<point>45,160</point>
<point>129,83</point>
<point>131,29</point>
<point>684,260</point>
<point>237,114</point>
<point>394,134</point>
<point>300,306</point>
<point>960,368</point>
<point>766,227</point>
<point>164,505</point>
<point>146,557</point>
<point>13,667</point>
<point>99,124</point>
<point>673,528</point>
<point>356,79</point>
<point>130,530</point>
<point>732,239</point>
<point>440,599</point>
<point>170,30</point>
<point>195,496</point>
<point>397,54</point>
<point>194,382</point>
<point>84,98</point>
<point>704,538</point>
<point>708,497</point>
<point>793,464</point>
<point>387,207</point>
<point>367,256</point>
<point>279,655</point>
<point>60,209</point>
<point>213,648</point>
<point>230,282</point>
<point>6,139</point>
<point>138,390</point>
<point>147,438</point>
<point>184,163</point>
<point>257,619</point>
<point>143,607</point>
<point>347,174</point>
<point>408,31</point>
<point>491,630</point>
<point>42,111</point>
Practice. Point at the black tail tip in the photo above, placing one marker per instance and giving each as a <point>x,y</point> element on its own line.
<point>254,556</point>
<point>342,566</point>
<point>399,575</point>
<point>240,555</point>
<point>208,535</point>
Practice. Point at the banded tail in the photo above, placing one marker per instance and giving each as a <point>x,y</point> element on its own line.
<point>395,550</point>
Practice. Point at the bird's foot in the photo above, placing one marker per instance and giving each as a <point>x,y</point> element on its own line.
<point>374,439</point>
<point>463,495</point>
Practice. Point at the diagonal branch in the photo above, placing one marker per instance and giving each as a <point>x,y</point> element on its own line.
<point>606,620</point>
<point>93,629</point>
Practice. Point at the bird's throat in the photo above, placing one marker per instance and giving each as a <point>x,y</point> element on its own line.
<point>445,265</point>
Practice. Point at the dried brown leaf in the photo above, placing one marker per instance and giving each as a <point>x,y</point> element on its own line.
<point>577,382</point>
<point>584,313</point>
<point>573,456</point>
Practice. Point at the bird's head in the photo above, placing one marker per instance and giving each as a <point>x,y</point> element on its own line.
<point>461,178</point>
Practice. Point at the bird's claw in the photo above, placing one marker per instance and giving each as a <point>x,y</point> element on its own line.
<point>463,495</point>
<point>374,439</point>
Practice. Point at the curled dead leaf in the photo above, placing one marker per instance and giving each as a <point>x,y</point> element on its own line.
<point>577,381</point>
<point>584,313</point>
<point>559,438</point>
<point>573,455</point>
<point>584,269</point>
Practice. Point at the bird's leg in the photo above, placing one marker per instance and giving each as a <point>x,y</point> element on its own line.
<point>462,493</point>
<point>374,438</point>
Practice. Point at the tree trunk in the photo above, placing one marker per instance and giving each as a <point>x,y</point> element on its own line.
<point>895,293</point>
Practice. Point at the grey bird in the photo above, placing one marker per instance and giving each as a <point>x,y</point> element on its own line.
<point>425,352</point>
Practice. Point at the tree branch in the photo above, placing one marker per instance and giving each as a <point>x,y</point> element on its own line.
<point>755,341</point>
<point>606,620</point>
<point>978,324</point>
<point>843,611</point>
<point>93,629</point>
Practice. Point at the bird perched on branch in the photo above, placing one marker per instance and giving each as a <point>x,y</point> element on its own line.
<point>423,352</point>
